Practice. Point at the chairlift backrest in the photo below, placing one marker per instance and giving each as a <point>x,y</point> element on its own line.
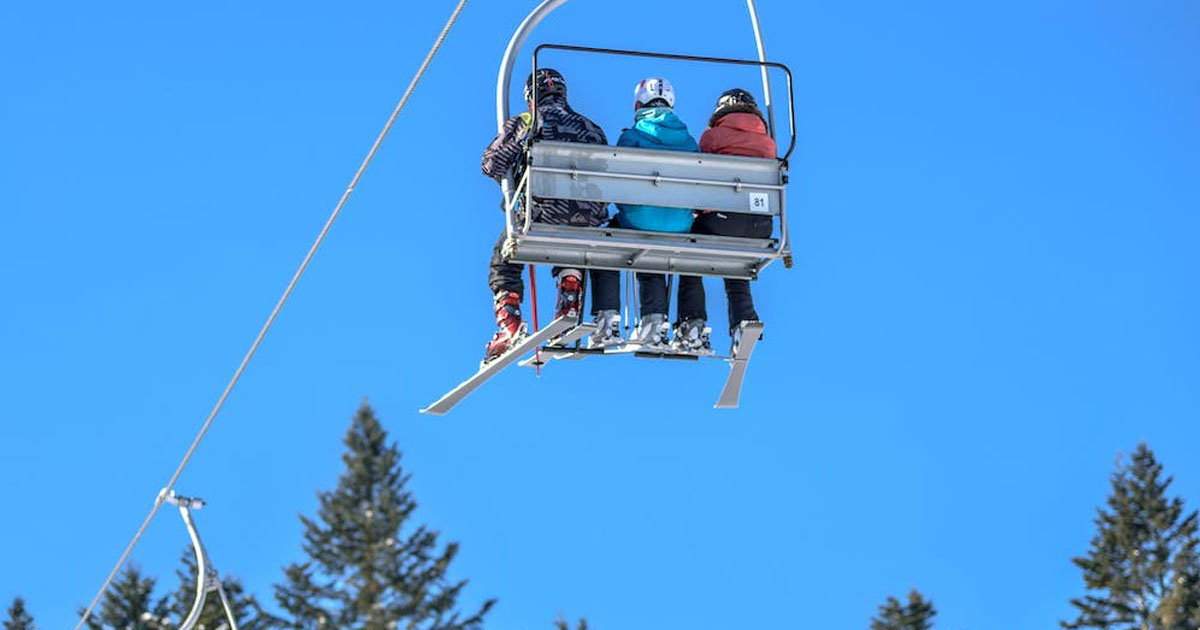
<point>583,172</point>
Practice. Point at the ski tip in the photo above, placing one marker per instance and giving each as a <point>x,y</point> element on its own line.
<point>438,408</point>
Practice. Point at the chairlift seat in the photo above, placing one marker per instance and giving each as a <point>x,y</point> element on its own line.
<point>598,173</point>
<point>639,250</point>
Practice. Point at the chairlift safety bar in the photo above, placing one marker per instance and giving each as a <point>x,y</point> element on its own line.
<point>739,62</point>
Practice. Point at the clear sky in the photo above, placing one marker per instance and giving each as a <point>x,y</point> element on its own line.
<point>996,291</point>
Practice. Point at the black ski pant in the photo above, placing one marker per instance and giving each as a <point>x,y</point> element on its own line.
<point>737,292</point>
<point>505,276</point>
<point>652,293</point>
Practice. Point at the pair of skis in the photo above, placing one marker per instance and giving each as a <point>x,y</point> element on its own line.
<point>568,330</point>
<point>563,350</point>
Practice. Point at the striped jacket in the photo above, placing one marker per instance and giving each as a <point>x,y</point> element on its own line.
<point>557,122</point>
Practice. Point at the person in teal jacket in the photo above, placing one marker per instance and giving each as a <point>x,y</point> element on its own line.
<point>655,126</point>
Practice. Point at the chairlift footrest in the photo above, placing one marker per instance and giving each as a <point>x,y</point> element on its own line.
<point>677,356</point>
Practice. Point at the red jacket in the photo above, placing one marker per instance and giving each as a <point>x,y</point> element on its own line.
<point>739,133</point>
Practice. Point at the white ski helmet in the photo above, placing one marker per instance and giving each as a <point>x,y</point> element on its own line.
<point>653,89</point>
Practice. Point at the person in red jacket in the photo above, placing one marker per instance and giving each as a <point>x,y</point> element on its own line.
<point>737,127</point>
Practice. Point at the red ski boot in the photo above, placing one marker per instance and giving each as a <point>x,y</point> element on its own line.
<point>570,294</point>
<point>508,318</point>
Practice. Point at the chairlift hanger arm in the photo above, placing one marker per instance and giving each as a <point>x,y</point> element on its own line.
<point>207,578</point>
<point>680,57</point>
<point>510,56</point>
<point>766,79</point>
<point>535,17</point>
<point>505,79</point>
<point>202,570</point>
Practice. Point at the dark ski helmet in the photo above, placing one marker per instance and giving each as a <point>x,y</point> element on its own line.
<point>735,100</point>
<point>549,82</point>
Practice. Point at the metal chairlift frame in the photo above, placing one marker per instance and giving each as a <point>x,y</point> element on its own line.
<point>587,172</point>
<point>207,578</point>
<point>626,175</point>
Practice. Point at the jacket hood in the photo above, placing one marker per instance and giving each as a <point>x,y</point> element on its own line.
<point>552,100</point>
<point>662,125</point>
<point>740,110</point>
<point>740,133</point>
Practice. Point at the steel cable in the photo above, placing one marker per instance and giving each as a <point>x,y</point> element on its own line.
<point>158,501</point>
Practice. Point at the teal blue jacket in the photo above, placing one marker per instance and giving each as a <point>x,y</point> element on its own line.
<point>656,128</point>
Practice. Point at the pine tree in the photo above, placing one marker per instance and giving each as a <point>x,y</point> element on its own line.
<point>561,623</point>
<point>247,612</point>
<point>368,568</point>
<point>129,604</point>
<point>918,614</point>
<point>18,618</point>
<point>1142,570</point>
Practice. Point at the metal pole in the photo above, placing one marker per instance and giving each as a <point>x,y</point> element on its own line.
<point>504,79</point>
<point>510,57</point>
<point>201,570</point>
<point>207,578</point>
<point>766,78</point>
<point>785,245</point>
<point>228,608</point>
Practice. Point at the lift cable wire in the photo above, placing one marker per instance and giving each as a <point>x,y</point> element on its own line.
<point>158,501</point>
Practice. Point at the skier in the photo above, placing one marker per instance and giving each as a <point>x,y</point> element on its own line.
<point>736,127</point>
<point>655,127</point>
<point>553,120</point>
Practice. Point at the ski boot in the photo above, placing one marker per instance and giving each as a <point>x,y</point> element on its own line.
<point>692,337</point>
<point>608,331</point>
<point>652,333</point>
<point>570,294</point>
<point>735,333</point>
<point>508,318</point>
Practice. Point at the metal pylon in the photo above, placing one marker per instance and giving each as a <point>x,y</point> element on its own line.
<point>207,578</point>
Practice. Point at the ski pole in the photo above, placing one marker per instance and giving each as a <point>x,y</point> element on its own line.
<point>533,306</point>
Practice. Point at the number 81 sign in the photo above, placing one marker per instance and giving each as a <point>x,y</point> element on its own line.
<point>760,202</point>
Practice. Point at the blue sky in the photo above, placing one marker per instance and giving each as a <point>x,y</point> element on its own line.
<point>996,291</point>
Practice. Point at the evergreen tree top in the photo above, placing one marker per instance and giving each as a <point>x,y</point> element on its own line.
<point>129,604</point>
<point>561,623</point>
<point>368,566</point>
<point>1142,569</point>
<point>18,617</point>
<point>917,614</point>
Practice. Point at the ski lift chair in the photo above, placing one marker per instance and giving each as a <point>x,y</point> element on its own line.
<point>608,174</point>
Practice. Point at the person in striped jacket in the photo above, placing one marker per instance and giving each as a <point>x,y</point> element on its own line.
<point>553,120</point>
